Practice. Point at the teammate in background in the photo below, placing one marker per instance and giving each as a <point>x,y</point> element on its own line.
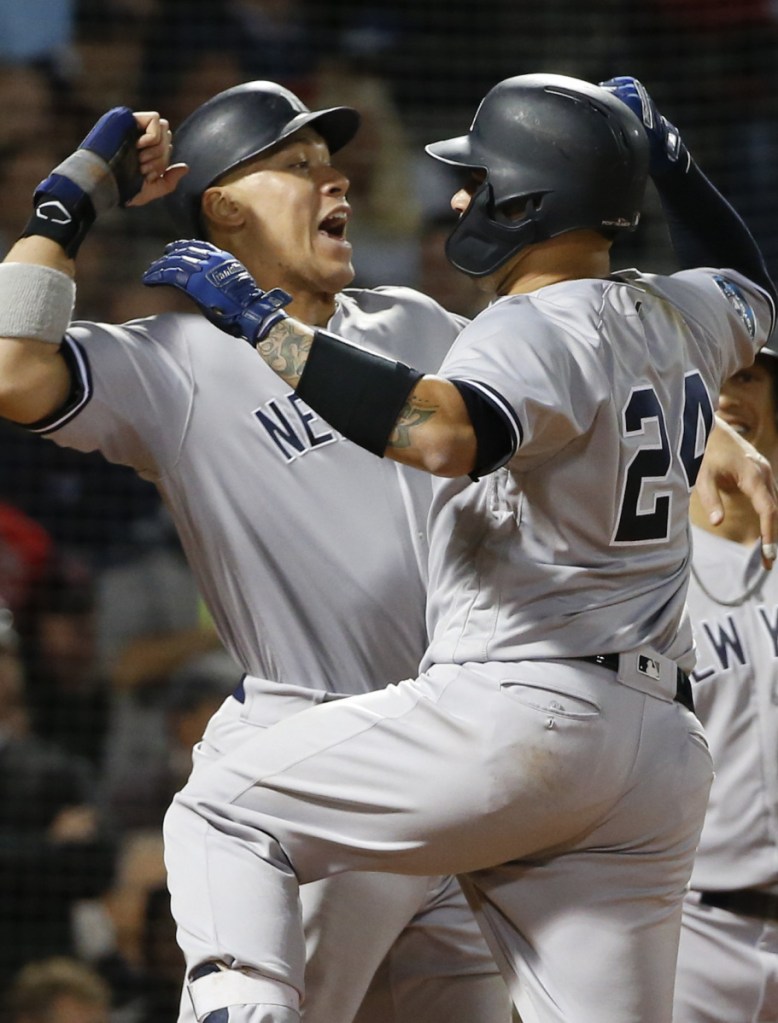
<point>197,414</point>
<point>548,750</point>
<point>728,957</point>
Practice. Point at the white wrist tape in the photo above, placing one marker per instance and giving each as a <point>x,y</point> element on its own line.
<point>35,302</point>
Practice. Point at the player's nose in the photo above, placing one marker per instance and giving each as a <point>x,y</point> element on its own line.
<point>460,200</point>
<point>335,182</point>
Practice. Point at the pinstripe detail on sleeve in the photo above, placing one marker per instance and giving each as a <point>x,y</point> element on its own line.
<point>503,408</point>
<point>80,393</point>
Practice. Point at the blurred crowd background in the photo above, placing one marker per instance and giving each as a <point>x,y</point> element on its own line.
<point>109,665</point>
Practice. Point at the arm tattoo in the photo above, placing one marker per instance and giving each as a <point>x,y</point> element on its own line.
<point>411,415</point>
<point>286,348</point>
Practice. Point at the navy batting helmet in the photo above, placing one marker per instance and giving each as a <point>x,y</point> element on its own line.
<point>770,347</point>
<point>569,153</point>
<point>237,125</point>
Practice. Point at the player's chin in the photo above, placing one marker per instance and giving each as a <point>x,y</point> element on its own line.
<point>338,275</point>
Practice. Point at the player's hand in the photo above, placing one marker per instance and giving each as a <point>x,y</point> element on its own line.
<point>154,146</point>
<point>102,173</point>
<point>665,145</point>
<point>731,463</point>
<point>221,286</point>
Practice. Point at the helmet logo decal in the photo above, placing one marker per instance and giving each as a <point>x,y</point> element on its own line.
<point>622,222</point>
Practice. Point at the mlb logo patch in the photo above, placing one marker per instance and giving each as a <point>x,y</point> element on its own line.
<point>739,303</point>
<point>648,666</point>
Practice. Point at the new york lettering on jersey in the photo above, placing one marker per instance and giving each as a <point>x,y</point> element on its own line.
<point>722,642</point>
<point>292,427</point>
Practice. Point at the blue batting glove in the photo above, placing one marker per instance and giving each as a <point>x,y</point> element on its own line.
<point>666,148</point>
<point>221,286</point>
<point>102,173</point>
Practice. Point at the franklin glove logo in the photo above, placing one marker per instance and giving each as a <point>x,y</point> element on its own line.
<point>222,275</point>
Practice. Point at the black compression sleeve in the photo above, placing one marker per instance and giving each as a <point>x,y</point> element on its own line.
<point>356,391</point>
<point>705,229</point>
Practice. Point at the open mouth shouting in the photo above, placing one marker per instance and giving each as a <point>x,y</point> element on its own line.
<point>335,223</point>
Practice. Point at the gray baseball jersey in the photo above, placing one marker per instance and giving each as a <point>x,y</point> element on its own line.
<point>587,786</point>
<point>249,473</point>
<point>644,370</point>
<point>728,961</point>
<point>736,695</point>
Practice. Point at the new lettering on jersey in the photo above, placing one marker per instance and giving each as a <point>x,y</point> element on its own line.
<point>292,427</point>
<point>248,472</point>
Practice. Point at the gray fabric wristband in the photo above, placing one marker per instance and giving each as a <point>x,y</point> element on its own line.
<point>35,302</point>
<point>93,176</point>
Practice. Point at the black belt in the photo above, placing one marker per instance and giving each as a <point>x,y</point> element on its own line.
<point>683,687</point>
<point>746,902</point>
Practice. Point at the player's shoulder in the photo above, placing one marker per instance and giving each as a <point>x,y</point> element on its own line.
<point>161,328</point>
<point>554,314</point>
<point>399,322</point>
<point>399,300</point>
<point>708,294</point>
<point>165,344</point>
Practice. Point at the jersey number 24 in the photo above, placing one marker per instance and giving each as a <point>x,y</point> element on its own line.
<point>644,515</point>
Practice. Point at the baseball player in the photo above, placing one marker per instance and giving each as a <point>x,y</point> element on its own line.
<point>248,472</point>
<point>548,749</point>
<point>728,957</point>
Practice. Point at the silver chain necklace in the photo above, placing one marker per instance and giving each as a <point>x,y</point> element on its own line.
<point>738,601</point>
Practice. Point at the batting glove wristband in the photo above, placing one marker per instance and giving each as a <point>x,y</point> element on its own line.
<point>666,148</point>
<point>221,286</point>
<point>102,173</point>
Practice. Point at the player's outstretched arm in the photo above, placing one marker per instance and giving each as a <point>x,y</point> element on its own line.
<point>122,161</point>
<point>704,228</point>
<point>384,406</point>
<point>731,463</point>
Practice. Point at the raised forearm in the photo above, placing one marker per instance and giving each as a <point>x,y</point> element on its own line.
<point>432,430</point>
<point>34,380</point>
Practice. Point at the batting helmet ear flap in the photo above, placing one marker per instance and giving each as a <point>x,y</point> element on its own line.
<point>481,243</point>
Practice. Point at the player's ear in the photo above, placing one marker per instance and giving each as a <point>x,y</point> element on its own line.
<point>220,208</point>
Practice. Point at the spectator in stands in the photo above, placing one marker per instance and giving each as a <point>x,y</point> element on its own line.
<point>156,642</point>
<point>219,45</point>
<point>69,699</point>
<point>88,506</point>
<point>53,849</point>
<point>25,550</point>
<point>727,53</point>
<point>163,960</point>
<point>58,990</point>
<point>387,214</point>
<point>149,762</point>
<point>111,930</point>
